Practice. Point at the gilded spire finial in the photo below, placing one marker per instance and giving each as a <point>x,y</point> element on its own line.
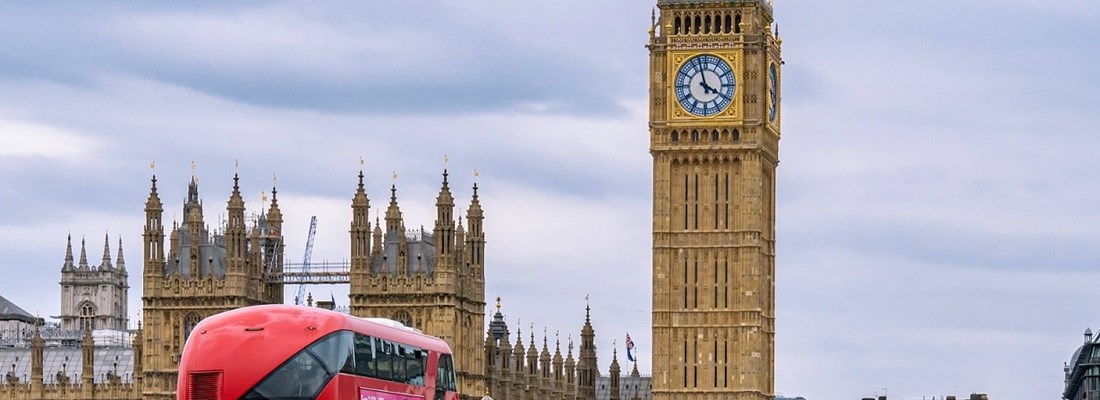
<point>498,303</point>
<point>445,161</point>
<point>395,177</point>
<point>362,162</point>
<point>153,167</point>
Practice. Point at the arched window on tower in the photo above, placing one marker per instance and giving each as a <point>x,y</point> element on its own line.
<point>87,316</point>
<point>189,323</point>
<point>698,23</point>
<point>676,28</point>
<point>403,317</point>
<point>714,135</point>
<point>726,24</point>
<point>708,25</point>
<point>736,135</point>
<point>675,136</point>
<point>737,24</point>
<point>694,136</point>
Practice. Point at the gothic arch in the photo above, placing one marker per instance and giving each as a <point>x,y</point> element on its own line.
<point>86,312</point>
<point>403,317</point>
<point>189,323</point>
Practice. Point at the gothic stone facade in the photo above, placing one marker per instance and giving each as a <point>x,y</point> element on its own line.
<point>714,138</point>
<point>434,281</point>
<point>94,297</point>
<point>202,274</point>
<point>515,372</point>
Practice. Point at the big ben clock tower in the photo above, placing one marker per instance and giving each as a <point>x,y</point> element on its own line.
<point>714,123</point>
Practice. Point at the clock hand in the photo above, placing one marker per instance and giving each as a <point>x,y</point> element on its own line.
<point>703,82</point>
<point>707,88</point>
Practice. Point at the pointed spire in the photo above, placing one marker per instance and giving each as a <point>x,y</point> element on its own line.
<point>236,201</point>
<point>614,373</point>
<point>154,200</point>
<point>360,197</point>
<point>120,262</point>
<point>394,225</point>
<point>193,190</point>
<point>570,346</point>
<point>83,256</point>
<point>106,252</point>
<point>68,266</point>
<point>274,215</point>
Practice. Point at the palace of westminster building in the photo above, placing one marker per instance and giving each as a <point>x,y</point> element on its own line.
<point>433,281</point>
<point>714,130</point>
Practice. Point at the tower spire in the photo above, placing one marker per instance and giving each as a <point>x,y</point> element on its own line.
<point>120,262</point>
<point>68,265</point>
<point>83,256</point>
<point>106,252</point>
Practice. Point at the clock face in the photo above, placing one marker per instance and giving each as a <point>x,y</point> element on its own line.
<point>705,85</point>
<point>773,95</point>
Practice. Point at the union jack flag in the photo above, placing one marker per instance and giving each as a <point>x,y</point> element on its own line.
<point>629,348</point>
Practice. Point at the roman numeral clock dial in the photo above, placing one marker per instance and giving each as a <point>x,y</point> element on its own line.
<point>705,85</point>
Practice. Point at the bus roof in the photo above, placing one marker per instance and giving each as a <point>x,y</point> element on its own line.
<point>284,316</point>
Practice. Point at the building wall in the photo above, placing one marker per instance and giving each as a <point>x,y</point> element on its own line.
<point>714,201</point>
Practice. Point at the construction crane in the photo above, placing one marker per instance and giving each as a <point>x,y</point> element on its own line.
<point>305,259</point>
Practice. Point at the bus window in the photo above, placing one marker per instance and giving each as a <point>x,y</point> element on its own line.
<point>384,359</point>
<point>365,356</point>
<point>414,367</point>
<point>444,381</point>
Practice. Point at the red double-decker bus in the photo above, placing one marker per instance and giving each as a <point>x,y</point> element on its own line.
<point>283,352</point>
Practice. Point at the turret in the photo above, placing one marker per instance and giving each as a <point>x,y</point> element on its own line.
<point>475,235</point>
<point>37,349</point>
<point>376,237</point>
<point>274,233</point>
<point>544,362</point>
<point>587,365</point>
<point>570,372</point>
<point>517,355</point>
<point>558,376</point>
<point>614,372</point>
<point>87,374</point>
<point>635,377</point>
<point>153,237</point>
<point>360,230</point>
<point>236,237</point>
<point>139,351</point>
<point>394,223</point>
<point>395,233</point>
<point>532,360</point>
<point>444,232</point>
<point>193,225</point>
<point>505,369</point>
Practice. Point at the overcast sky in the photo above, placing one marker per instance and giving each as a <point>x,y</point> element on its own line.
<point>937,206</point>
